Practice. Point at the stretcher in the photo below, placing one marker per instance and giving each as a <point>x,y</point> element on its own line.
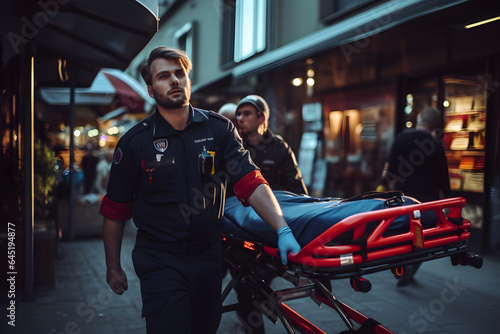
<point>389,232</point>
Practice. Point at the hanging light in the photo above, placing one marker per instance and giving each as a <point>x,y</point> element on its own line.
<point>297,82</point>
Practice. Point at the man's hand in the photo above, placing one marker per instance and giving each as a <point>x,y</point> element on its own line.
<point>117,280</point>
<point>286,243</point>
<point>112,235</point>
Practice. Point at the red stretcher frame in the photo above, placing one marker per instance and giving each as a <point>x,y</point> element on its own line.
<point>317,261</point>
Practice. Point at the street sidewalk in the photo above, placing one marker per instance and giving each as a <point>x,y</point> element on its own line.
<point>443,299</point>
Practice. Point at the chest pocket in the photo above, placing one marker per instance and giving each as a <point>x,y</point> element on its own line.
<point>160,179</point>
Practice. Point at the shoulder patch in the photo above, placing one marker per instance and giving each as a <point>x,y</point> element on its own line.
<point>118,156</point>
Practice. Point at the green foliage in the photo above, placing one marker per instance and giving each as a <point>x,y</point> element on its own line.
<point>45,178</point>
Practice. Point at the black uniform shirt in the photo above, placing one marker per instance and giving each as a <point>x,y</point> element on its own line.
<point>159,169</point>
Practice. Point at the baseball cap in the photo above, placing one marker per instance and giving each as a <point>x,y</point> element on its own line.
<point>258,102</point>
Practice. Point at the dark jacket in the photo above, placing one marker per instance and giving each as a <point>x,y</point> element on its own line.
<point>277,163</point>
<point>418,166</point>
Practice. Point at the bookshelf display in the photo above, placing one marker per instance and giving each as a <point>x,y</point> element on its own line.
<point>464,132</point>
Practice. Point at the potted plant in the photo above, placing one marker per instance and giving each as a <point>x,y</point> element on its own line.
<point>45,179</point>
<point>45,235</point>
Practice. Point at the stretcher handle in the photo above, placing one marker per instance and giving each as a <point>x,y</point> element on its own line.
<point>275,252</point>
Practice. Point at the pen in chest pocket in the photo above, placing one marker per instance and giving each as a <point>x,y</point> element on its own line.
<point>150,167</point>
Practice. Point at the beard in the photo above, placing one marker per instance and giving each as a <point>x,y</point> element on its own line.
<point>172,103</point>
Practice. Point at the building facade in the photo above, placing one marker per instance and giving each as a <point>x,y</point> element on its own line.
<point>50,44</point>
<point>342,78</point>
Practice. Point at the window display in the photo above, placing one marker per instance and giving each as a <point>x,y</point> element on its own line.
<point>464,132</point>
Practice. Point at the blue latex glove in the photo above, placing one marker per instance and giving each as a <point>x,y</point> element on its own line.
<point>286,243</point>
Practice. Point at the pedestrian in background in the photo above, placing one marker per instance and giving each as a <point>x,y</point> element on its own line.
<point>89,164</point>
<point>229,110</point>
<point>102,168</point>
<point>169,174</point>
<point>417,166</point>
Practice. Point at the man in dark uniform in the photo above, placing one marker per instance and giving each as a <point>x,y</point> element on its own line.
<point>169,174</point>
<point>268,151</point>
<point>279,167</point>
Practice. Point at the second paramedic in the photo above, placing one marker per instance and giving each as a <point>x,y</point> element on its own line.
<point>269,152</point>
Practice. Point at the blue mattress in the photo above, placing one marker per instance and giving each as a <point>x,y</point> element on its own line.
<point>308,217</point>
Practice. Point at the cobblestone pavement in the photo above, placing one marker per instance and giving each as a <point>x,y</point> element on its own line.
<point>443,299</point>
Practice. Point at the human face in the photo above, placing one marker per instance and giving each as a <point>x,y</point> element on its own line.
<point>248,120</point>
<point>170,84</point>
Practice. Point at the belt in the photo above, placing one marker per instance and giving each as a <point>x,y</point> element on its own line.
<point>196,247</point>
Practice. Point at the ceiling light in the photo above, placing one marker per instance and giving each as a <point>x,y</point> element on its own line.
<point>472,25</point>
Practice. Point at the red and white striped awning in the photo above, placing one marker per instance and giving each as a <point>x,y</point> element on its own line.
<point>110,87</point>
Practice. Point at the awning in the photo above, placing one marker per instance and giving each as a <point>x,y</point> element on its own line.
<point>377,19</point>
<point>129,91</point>
<point>78,37</point>
<point>111,87</point>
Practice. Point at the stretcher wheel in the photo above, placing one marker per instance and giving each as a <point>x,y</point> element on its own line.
<point>466,259</point>
<point>360,284</point>
<point>404,274</point>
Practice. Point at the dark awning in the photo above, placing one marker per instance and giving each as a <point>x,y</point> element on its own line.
<point>86,34</point>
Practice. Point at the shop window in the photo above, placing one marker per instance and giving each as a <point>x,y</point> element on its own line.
<point>463,101</point>
<point>358,132</point>
<point>464,132</point>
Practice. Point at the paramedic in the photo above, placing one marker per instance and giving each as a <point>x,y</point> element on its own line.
<point>279,167</point>
<point>417,166</point>
<point>269,152</point>
<point>169,173</point>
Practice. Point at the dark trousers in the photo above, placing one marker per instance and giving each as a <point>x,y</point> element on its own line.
<point>180,293</point>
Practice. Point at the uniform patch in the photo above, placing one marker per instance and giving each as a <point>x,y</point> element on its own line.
<point>161,144</point>
<point>197,141</point>
<point>118,156</point>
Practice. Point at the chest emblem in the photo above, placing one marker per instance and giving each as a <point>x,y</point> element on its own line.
<point>161,144</point>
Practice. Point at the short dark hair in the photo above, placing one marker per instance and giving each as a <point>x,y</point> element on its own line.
<point>166,53</point>
<point>430,118</point>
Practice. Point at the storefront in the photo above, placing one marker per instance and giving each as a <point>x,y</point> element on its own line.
<point>372,93</point>
<point>340,108</point>
<point>51,44</point>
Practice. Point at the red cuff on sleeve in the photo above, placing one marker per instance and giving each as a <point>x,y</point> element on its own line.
<point>115,210</point>
<point>245,187</point>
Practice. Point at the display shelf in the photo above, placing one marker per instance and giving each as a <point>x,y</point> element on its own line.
<point>465,133</point>
<point>464,112</point>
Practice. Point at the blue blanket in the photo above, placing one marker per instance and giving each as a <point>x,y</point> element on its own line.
<point>308,217</point>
